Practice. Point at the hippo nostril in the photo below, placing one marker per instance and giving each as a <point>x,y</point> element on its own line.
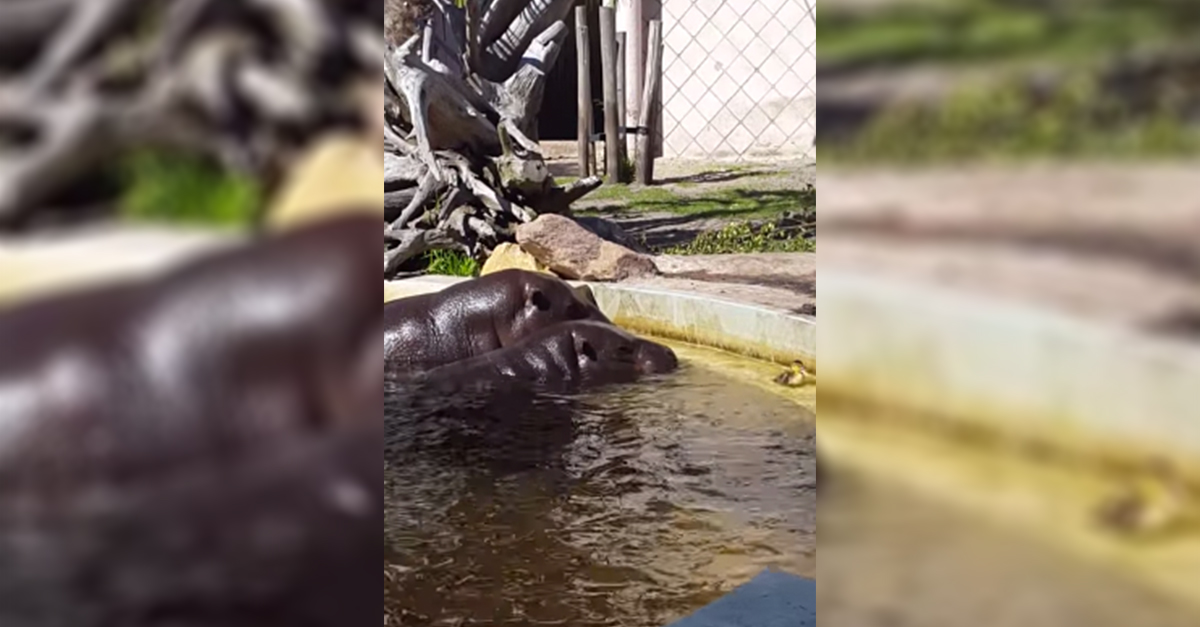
<point>589,351</point>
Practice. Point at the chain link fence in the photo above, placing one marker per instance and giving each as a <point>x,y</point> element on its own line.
<point>739,79</point>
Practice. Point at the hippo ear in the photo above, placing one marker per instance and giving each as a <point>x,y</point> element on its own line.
<point>538,299</point>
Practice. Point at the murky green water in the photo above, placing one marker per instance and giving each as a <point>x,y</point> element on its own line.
<point>894,558</point>
<point>631,507</point>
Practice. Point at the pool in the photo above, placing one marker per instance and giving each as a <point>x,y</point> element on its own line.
<point>932,529</point>
<point>632,506</point>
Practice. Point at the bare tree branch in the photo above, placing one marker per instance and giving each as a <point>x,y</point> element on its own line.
<point>246,83</point>
<point>471,169</point>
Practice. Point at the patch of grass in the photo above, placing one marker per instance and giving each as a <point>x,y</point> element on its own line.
<point>1001,30</point>
<point>451,263</point>
<point>1007,121</point>
<point>745,237</point>
<point>181,189</point>
<point>632,194</point>
<point>627,169</point>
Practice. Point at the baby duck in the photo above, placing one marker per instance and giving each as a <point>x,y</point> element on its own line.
<point>794,376</point>
<point>1150,508</point>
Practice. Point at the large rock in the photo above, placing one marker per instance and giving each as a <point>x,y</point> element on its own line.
<point>574,252</point>
<point>509,256</point>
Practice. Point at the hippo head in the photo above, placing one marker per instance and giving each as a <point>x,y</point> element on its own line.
<point>546,301</point>
<point>607,353</point>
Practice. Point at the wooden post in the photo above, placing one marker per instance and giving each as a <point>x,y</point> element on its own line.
<point>584,69</point>
<point>657,131</point>
<point>636,57</point>
<point>608,64</point>
<point>645,142</point>
<point>622,146</point>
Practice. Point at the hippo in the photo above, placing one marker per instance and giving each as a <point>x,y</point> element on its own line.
<point>562,357</point>
<point>476,317</point>
<point>494,409</point>
<point>198,448</point>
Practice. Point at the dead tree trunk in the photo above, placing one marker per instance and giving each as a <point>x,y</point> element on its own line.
<point>245,83</point>
<point>463,167</point>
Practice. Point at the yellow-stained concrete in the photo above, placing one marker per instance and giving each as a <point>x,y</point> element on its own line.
<point>1022,416</point>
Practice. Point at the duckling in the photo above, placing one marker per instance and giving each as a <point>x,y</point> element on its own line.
<point>795,376</point>
<point>1149,509</point>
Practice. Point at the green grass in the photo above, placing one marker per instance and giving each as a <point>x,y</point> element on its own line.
<point>744,237</point>
<point>630,194</point>
<point>1004,122</point>
<point>1001,30</point>
<point>718,203</point>
<point>451,263</point>
<point>179,189</point>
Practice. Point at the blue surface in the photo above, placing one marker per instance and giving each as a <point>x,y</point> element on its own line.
<point>772,599</point>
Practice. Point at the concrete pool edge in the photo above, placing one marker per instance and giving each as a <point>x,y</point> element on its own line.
<point>750,331</point>
<point>1019,398</point>
<point>1019,368</point>
<point>48,264</point>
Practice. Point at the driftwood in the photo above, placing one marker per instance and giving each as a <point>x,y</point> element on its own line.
<point>245,83</point>
<point>462,164</point>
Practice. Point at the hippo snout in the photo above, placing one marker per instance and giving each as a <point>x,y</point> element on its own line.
<point>654,358</point>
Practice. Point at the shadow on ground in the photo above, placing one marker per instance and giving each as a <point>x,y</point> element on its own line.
<point>801,285</point>
<point>1168,254</point>
<point>1174,255</point>
<point>664,223</point>
<point>712,176</point>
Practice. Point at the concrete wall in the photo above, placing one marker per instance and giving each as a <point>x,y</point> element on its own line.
<point>739,76</point>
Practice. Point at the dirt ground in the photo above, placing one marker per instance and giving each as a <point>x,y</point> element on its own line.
<point>784,281</point>
<point>1115,242</point>
<point>695,176</point>
<point>697,179</point>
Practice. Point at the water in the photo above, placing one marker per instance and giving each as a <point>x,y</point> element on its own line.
<point>894,558</point>
<point>634,506</point>
<point>924,528</point>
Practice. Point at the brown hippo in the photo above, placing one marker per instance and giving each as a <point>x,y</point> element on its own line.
<point>476,317</point>
<point>486,409</point>
<point>565,356</point>
<point>203,448</point>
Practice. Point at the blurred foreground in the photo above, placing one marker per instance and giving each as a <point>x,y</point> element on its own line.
<point>200,446</point>
<point>1047,317</point>
<point>1011,339</point>
<point>191,414</point>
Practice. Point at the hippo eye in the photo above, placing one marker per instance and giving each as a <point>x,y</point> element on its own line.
<point>539,300</point>
<point>589,351</point>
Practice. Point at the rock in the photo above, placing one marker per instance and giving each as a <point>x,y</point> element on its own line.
<point>342,174</point>
<point>573,252</point>
<point>612,232</point>
<point>508,256</point>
